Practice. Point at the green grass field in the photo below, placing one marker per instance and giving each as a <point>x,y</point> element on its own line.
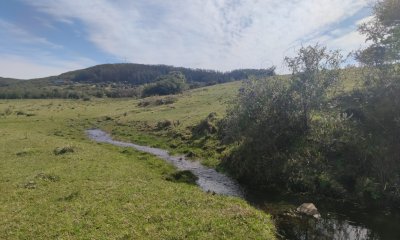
<point>100,191</point>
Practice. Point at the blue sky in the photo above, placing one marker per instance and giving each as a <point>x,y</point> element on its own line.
<point>39,38</point>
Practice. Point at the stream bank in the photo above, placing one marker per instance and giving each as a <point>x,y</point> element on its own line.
<point>336,222</point>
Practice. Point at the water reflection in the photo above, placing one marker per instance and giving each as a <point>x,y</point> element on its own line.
<point>337,222</point>
<point>307,228</point>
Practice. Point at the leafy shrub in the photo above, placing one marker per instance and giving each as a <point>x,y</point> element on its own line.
<point>172,83</point>
<point>264,122</point>
<point>376,149</point>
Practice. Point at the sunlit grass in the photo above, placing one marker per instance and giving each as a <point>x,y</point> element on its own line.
<point>99,191</point>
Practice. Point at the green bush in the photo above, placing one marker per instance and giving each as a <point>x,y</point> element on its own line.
<point>264,122</point>
<point>172,83</point>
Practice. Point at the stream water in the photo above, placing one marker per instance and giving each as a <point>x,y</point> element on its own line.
<point>208,178</point>
<point>338,222</point>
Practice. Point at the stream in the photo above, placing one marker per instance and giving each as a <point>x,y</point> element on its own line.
<point>338,222</point>
<point>208,179</point>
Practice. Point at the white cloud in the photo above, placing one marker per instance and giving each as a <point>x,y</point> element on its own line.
<point>14,66</point>
<point>216,34</point>
<point>346,39</point>
<point>21,35</point>
<point>348,42</point>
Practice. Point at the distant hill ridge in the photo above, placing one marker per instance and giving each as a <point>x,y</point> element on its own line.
<point>138,74</point>
<point>116,80</point>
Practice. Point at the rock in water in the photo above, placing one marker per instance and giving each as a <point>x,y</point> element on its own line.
<point>309,209</point>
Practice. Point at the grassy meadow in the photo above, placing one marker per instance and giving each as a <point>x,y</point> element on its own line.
<point>57,184</point>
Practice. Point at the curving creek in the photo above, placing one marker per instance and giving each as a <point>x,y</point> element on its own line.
<point>336,222</point>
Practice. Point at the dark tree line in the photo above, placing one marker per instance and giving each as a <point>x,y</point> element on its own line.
<point>138,74</point>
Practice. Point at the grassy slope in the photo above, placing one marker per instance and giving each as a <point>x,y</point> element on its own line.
<point>99,191</point>
<point>191,107</point>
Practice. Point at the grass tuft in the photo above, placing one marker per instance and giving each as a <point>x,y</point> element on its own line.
<point>63,150</point>
<point>47,177</point>
<point>25,152</point>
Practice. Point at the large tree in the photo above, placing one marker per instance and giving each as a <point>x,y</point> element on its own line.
<point>383,54</point>
<point>380,101</point>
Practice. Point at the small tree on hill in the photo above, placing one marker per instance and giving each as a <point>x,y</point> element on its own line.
<point>315,70</point>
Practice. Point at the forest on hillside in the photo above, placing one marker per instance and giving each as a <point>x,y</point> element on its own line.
<point>117,81</point>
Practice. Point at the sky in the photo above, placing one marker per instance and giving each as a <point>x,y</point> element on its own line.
<point>39,38</point>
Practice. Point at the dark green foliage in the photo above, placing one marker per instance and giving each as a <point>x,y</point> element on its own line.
<point>350,151</point>
<point>185,176</point>
<point>269,121</point>
<point>139,74</point>
<point>375,151</point>
<point>379,102</point>
<point>264,122</point>
<point>315,70</point>
<point>273,149</point>
<point>304,137</point>
<point>172,83</point>
<point>384,33</point>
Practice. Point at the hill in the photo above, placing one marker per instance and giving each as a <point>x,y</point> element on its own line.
<point>4,82</point>
<point>137,74</point>
<point>116,80</point>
